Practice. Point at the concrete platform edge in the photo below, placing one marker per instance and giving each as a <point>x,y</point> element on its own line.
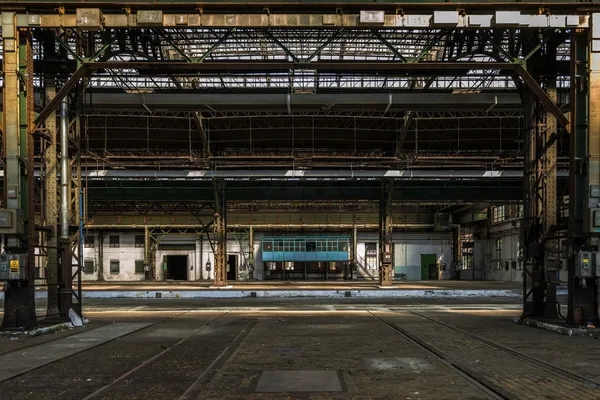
<point>298,293</point>
<point>232,293</point>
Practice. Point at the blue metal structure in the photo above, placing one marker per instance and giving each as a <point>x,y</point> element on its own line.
<point>305,248</point>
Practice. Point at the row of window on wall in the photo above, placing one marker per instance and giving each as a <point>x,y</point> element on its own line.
<point>115,267</point>
<point>503,212</point>
<point>113,241</point>
<point>301,245</point>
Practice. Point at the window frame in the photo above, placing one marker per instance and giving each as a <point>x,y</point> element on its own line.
<point>139,244</point>
<point>85,266</point>
<point>498,250</point>
<point>110,267</point>
<point>136,270</point>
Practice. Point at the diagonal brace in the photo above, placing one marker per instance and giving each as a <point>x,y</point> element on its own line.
<point>542,96</point>
<point>81,72</point>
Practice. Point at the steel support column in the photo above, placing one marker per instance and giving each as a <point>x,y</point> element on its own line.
<point>147,272</point>
<point>584,170</point>
<point>100,256</point>
<point>386,247</point>
<point>456,252</point>
<point>251,252</point>
<point>18,145</point>
<point>220,234</point>
<point>354,252</point>
<point>540,244</point>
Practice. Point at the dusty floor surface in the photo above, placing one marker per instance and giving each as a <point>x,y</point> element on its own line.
<point>303,349</point>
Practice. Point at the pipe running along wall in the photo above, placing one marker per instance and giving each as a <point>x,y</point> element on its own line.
<point>64,166</point>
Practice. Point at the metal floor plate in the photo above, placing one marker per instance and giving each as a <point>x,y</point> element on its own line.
<point>299,381</point>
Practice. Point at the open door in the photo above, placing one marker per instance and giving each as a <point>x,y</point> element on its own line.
<point>177,267</point>
<point>232,266</point>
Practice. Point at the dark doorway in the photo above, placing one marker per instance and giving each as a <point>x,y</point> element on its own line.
<point>177,268</point>
<point>232,267</point>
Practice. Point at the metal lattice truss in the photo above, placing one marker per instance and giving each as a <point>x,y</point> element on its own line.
<point>304,46</point>
<point>187,97</point>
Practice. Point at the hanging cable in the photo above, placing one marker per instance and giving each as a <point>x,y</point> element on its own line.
<point>500,134</point>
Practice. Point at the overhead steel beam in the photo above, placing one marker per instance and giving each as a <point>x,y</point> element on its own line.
<point>293,175</point>
<point>511,191</point>
<point>290,15</point>
<point>266,101</point>
<point>363,67</point>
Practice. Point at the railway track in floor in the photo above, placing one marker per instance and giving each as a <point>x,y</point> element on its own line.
<point>45,364</point>
<point>153,358</point>
<point>495,369</point>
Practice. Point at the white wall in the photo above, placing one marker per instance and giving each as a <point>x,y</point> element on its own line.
<point>485,256</point>
<point>126,253</point>
<point>408,247</point>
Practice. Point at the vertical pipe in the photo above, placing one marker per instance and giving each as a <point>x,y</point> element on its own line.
<point>80,255</point>
<point>64,175</point>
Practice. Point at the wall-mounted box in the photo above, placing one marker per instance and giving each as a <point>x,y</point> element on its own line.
<point>11,222</point>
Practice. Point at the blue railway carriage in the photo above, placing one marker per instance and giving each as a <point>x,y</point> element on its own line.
<point>306,257</point>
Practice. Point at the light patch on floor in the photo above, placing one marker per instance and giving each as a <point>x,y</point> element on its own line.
<point>406,364</point>
<point>298,381</point>
<point>166,333</point>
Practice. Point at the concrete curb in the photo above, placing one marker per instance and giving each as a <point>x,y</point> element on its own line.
<point>563,330</point>
<point>38,331</point>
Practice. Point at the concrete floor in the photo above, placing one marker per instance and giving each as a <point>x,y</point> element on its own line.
<point>301,349</point>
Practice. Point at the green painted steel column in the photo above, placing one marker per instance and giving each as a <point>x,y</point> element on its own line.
<point>584,143</point>
<point>17,109</point>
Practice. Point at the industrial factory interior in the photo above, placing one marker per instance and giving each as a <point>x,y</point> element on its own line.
<point>300,199</point>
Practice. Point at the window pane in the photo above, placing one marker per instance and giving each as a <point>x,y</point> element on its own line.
<point>113,240</point>
<point>268,245</point>
<point>139,240</point>
<point>139,267</point>
<point>321,245</point>
<point>311,245</point>
<point>114,267</point>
